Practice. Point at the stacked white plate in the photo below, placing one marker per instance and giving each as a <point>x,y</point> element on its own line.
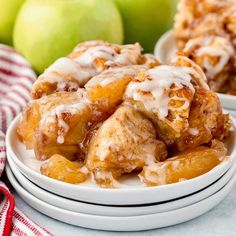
<point>132,207</point>
<point>166,48</point>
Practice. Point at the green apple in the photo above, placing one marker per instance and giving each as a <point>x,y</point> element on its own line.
<point>8,13</point>
<point>146,20</point>
<point>48,29</point>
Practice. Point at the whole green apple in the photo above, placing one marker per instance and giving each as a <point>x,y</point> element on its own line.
<point>146,20</point>
<point>8,13</point>
<point>48,29</point>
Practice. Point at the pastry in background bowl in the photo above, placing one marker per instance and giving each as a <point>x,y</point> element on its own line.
<point>205,31</point>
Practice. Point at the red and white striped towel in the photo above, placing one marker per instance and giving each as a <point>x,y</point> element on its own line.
<point>16,78</point>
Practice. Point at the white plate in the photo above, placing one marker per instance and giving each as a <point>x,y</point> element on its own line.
<point>228,101</point>
<point>132,223</point>
<point>166,47</point>
<point>127,195</point>
<point>93,209</point>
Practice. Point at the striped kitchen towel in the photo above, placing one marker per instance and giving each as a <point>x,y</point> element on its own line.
<point>16,79</point>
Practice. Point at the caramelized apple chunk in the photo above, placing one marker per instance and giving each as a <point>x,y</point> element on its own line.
<point>121,145</point>
<point>186,165</point>
<point>59,168</point>
<point>106,89</point>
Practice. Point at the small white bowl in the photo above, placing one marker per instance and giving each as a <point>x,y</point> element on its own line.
<point>166,47</point>
<point>94,209</point>
<point>129,223</point>
<point>127,194</point>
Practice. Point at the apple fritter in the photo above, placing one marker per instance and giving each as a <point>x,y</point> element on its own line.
<point>63,129</point>
<point>87,60</point>
<point>186,165</point>
<point>59,168</point>
<point>34,111</point>
<point>103,55</point>
<point>164,94</point>
<point>121,145</point>
<point>199,79</point>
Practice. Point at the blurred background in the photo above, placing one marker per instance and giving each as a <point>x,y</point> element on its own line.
<point>44,30</point>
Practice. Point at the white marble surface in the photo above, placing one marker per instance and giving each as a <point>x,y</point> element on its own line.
<point>221,221</point>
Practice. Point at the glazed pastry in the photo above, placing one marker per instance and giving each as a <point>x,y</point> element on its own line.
<point>187,165</point>
<point>205,31</point>
<point>215,55</point>
<point>87,60</point>
<point>59,168</point>
<point>196,18</point>
<point>150,60</point>
<point>34,111</point>
<point>63,75</point>
<point>63,129</point>
<point>123,144</point>
<point>165,94</point>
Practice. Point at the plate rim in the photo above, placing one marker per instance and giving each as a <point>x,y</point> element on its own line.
<point>219,196</point>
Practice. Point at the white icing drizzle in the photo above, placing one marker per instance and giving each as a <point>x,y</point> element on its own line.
<point>214,47</point>
<point>113,74</point>
<point>154,91</point>
<point>101,51</point>
<point>193,131</point>
<point>105,175</point>
<point>198,74</point>
<point>63,70</point>
<point>56,114</point>
<point>154,172</point>
<point>126,55</point>
<point>84,170</point>
<point>157,172</point>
